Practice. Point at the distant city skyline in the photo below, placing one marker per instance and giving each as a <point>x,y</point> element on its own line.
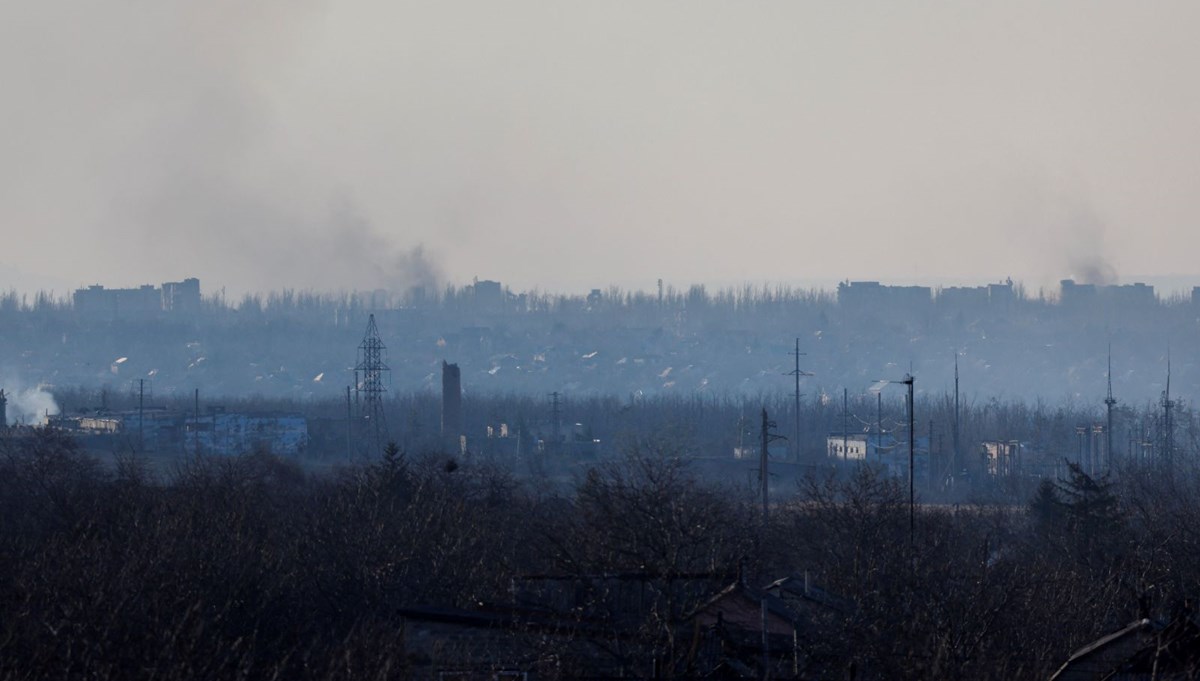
<point>1165,286</point>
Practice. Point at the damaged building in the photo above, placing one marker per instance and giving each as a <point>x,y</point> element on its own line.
<point>218,432</point>
<point>97,303</point>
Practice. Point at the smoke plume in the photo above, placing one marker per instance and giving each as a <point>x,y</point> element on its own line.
<point>28,405</point>
<point>1093,269</point>
<point>315,144</point>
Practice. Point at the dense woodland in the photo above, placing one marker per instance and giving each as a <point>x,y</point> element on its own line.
<point>252,568</point>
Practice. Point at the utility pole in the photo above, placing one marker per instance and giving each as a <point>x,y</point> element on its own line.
<point>1089,446</point>
<point>196,423</point>
<point>349,424</point>
<point>141,414</point>
<point>554,416</point>
<point>958,467</point>
<point>912,490</point>
<point>762,465</point>
<point>929,474</point>
<point>763,472</point>
<point>797,373</point>
<point>766,641</point>
<point>1109,402</point>
<point>879,425</point>
<point>1151,440</point>
<point>845,428</point>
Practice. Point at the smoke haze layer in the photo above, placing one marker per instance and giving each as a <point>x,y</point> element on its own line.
<point>367,144</point>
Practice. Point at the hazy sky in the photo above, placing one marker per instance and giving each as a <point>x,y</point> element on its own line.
<point>568,145</point>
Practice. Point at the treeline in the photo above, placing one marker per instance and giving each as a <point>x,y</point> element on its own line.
<point>251,568</point>
<point>765,298</point>
<point>326,305</point>
<point>618,342</point>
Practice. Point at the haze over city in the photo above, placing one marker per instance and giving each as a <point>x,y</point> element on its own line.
<point>361,145</point>
<point>547,341</point>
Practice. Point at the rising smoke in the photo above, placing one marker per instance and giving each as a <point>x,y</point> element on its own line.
<point>367,260</point>
<point>179,157</point>
<point>1068,235</point>
<point>150,141</point>
<point>1093,269</point>
<point>1087,249</point>
<point>27,404</point>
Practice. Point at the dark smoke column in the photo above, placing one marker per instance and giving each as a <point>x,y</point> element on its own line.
<point>451,405</point>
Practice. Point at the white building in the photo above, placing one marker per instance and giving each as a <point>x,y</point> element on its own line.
<point>885,451</point>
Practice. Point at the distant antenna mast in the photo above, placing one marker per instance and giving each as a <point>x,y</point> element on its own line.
<point>1109,403</point>
<point>797,373</point>
<point>369,374</point>
<point>1168,404</point>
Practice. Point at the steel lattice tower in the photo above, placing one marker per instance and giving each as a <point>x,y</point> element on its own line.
<point>369,373</point>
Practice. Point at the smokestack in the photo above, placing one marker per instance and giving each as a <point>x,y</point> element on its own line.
<point>451,403</point>
<point>3,410</point>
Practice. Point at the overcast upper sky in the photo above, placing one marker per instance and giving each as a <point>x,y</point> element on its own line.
<point>570,145</point>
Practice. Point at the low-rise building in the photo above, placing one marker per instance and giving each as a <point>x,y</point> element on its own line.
<point>1013,458</point>
<point>232,433</point>
<point>150,428</point>
<point>886,451</point>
